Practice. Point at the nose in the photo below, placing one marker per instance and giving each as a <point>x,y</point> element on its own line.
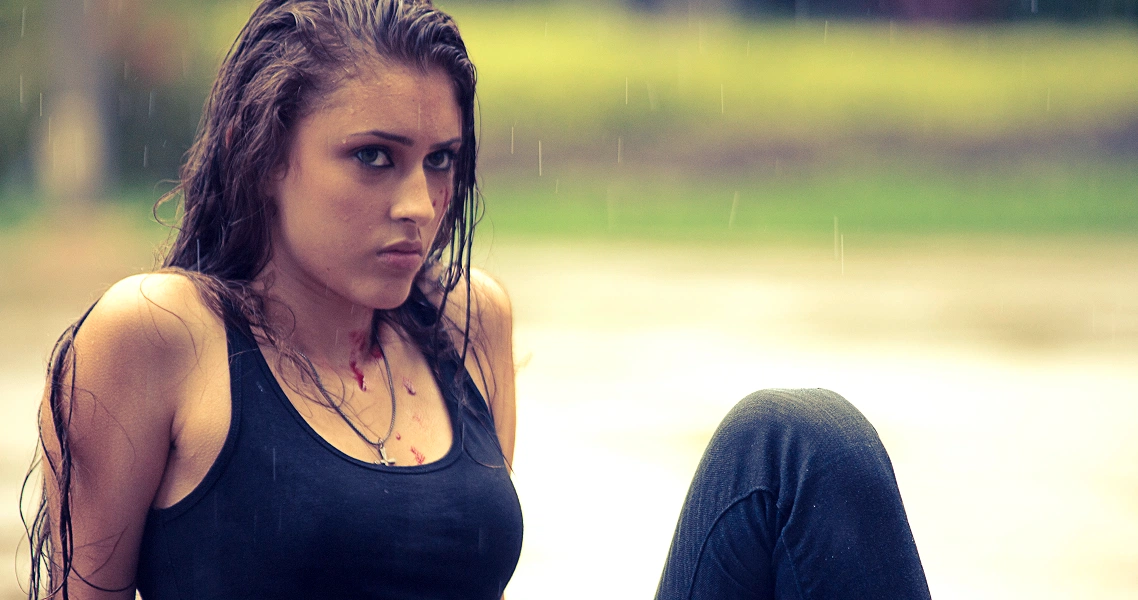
<point>413,200</point>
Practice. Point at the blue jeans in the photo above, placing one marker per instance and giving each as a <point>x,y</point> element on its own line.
<point>795,498</point>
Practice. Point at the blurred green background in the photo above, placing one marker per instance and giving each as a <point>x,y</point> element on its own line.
<point>928,205</point>
<point>701,121</point>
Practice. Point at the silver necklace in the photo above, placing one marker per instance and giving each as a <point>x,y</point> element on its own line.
<point>378,444</point>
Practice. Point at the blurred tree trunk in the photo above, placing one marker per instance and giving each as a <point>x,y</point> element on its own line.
<point>72,162</point>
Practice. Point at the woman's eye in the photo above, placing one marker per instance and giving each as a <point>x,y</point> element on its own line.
<point>374,157</point>
<point>440,161</point>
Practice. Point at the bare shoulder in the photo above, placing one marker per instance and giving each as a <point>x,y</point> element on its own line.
<point>491,302</point>
<point>155,323</point>
<point>488,304</point>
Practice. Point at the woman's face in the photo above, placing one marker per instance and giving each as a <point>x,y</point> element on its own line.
<point>369,175</point>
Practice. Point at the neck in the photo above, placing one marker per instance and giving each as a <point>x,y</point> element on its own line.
<point>326,327</point>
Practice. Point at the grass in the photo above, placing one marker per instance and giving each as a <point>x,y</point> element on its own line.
<point>907,199</point>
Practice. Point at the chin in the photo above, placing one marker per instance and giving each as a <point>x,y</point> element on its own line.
<point>391,296</point>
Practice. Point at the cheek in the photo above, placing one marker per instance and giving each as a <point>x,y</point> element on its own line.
<point>443,202</point>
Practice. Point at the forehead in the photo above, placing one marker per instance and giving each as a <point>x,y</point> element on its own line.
<point>394,98</point>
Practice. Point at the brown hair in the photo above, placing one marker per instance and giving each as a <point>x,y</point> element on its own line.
<point>289,53</point>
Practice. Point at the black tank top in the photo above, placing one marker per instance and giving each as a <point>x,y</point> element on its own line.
<point>283,514</point>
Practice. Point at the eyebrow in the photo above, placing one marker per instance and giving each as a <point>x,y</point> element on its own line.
<point>404,140</point>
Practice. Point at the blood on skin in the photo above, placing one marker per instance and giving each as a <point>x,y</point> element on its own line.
<point>359,375</point>
<point>359,342</point>
<point>446,198</point>
<point>358,339</point>
<point>410,387</point>
<point>397,436</point>
<point>419,456</point>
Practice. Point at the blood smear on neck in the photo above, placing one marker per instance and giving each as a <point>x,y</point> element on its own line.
<point>419,456</point>
<point>358,339</point>
<point>359,375</point>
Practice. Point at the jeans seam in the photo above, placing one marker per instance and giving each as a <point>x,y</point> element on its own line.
<point>790,561</point>
<point>707,534</point>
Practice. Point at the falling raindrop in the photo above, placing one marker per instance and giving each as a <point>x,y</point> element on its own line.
<point>835,236</point>
<point>539,158</point>
<point>21,89</point>
<point>825,31</point>
<point>722,105</point>
<point>1048,99</point>
<point>1034,6</point>
<point>619,150</point>
<point>892,31</point>
<point>843,245</point>
<point>41,104</point>
<point>145,156</point>
<point>626,91</point>
<point>748,47</point>
<point>734,209</point>
<point>23,21</point>
<point>511,140</point>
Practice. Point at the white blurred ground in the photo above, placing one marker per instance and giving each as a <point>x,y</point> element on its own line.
<point>1002,377</point>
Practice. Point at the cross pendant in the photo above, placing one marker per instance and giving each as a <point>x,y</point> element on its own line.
<point>383,460</point>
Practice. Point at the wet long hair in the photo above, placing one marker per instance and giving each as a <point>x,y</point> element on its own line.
<point>289,54</point>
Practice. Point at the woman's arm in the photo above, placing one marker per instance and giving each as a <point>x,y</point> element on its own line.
<point>133,360</point>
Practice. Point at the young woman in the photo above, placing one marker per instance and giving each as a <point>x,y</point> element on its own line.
<point>313,398</point>
<point>284,410</point>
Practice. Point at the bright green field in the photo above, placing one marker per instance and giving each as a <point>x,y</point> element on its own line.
<point>912,199</point>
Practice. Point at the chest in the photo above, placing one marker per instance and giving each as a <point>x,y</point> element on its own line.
<point>406,411</point>
<point>284,513</point>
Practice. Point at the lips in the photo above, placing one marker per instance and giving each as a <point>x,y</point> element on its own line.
<point>405,255</point>
<point>404,247</point>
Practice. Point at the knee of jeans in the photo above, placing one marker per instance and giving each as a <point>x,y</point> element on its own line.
<point>812,416</point>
